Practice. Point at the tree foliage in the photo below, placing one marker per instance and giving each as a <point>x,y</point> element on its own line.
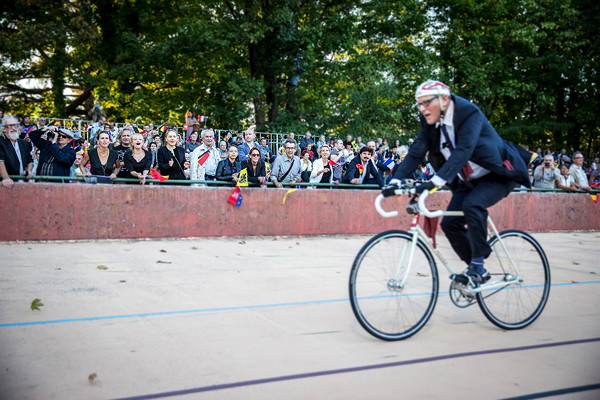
<point>332,67</point>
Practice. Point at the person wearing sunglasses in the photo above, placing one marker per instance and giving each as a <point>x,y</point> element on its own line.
<point>56,153</point>
<point>257,169</point>
<point>471,158</point>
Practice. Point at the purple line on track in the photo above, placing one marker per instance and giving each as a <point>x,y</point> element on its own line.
<point>353,369</point>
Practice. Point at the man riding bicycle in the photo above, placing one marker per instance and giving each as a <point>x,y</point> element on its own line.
<point>470,157</point>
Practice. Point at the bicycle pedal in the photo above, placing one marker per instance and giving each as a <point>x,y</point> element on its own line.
<point>460,278</point>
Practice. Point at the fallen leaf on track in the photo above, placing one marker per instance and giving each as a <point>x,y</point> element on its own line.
<point>36,304</point>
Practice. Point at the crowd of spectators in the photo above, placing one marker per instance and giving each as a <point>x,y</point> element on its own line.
<point>558,170</point>
<point>199,156</point>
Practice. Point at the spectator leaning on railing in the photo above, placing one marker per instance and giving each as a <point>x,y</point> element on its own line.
<point>578,174</point>
<point>15,155</point>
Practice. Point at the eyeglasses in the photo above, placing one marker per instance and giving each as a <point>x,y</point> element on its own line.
<point>290,148</point>
<point>10,126</point>
<point>254,155</point>
<point>578,157</point>
<point>424,104</point>
<point>64,136</point>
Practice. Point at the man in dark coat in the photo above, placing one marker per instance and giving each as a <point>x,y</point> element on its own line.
<point>15,154</point>
<point>361,170</point>
<point>56,154</point>
<point>470,157</point>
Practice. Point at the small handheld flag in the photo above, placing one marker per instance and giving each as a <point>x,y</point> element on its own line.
<point>266,180</point>
<point>202,159</point>
<point>156,175</point>
<point>360,167</point>
<point>235,197</point>
<point>389,163</point>
<point>202,118</point>
<point>243,178</point>
<point>594,198</point>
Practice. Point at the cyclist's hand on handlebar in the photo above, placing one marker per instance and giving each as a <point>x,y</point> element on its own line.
<point>425,186</point>
<point>390,189</point>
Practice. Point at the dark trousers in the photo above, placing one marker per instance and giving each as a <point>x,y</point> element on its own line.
<point>468,234</point>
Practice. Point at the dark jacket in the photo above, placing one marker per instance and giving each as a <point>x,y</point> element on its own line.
<point>96,166</point>
<point>9,156</point>
<point>178,156</point>
<point>133,165</point>
<point>476,140</point>
<point>58,160</point>
<point>261,170</point>
<point>373,175</point>
<point>226,169</point>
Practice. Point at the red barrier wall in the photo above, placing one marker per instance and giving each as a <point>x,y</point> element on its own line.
<point>50,211</point>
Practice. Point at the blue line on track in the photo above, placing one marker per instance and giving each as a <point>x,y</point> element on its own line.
<point>315,374</point>
<point>205,310</point>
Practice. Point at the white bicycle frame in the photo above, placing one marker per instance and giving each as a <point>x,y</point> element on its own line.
<point>417,233</point>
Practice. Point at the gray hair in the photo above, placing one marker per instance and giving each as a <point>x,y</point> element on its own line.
<point>9,117</point>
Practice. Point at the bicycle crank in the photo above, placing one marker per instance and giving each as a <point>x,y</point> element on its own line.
<point>460,295</point>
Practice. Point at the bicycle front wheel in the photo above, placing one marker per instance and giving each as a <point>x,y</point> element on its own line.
<point>519,259</point>
<point>393,289</point>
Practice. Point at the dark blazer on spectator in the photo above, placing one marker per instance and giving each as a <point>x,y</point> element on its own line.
<point>9,156</point>
<point>353,172</point>
<point>261,170</point>
<point>178,156</point>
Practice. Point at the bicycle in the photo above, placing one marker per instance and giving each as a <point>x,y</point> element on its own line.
<point>394,282</point>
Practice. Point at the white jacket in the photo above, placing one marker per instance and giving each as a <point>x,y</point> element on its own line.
<point>317,167</point>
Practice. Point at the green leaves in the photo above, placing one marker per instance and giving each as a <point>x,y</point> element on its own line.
<point>531,65</point>
<point>36,304</point>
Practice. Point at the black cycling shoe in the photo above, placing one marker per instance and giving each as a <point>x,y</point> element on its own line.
<point>477,279</point>
<point>460,278</point>
<point>470,276</point>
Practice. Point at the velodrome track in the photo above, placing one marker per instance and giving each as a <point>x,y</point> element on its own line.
<point>269,318</point>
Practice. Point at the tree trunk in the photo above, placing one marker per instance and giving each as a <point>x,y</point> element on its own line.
<point>72,108</point>
<point>271,95</point>
<point>57,77</point>
<point>256,73</point>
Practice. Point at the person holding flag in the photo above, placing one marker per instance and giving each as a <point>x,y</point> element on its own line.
<point>255,169</point>
<point>205,158</point>
<point>337,160</point>
<point>360,169</point>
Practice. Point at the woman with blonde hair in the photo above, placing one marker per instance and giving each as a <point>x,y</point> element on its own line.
<point>322,171</point>
<point>138,160</point>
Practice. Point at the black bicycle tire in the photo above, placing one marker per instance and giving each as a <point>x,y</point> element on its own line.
<point>545,293</point>
<point>352,292</point>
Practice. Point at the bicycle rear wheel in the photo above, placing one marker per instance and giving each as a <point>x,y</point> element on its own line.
<point>391,298</point>
<point>518,257</point>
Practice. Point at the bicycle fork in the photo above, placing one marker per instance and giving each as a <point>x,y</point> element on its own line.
<point>396,284</point>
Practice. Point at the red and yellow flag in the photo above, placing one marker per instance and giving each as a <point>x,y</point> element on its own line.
<point>156,175</point>
<point>202,159</point>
